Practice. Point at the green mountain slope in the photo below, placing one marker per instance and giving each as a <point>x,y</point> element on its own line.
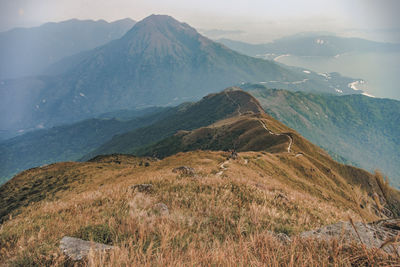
<point>188,116</point>
<point>361,129</point>
<point>241,133</point>
<point>69,142</point>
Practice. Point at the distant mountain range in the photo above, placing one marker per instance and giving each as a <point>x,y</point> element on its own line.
<point>160,61</point>
<point>309,45</point>
<point>29,51</point>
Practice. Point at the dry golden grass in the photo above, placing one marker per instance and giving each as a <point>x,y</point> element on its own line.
<point>213,219</point>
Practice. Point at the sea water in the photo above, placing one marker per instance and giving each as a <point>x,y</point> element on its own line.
<point>380,71</point>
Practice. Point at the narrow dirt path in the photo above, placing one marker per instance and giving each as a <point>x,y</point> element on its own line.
<point>234,102</point>
<point>263,124</point>
<point>222,167</point>
<point>272,133</point>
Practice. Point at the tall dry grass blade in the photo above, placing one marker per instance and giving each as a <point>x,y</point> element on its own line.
<point>392,241</point>
<point>359,237</point>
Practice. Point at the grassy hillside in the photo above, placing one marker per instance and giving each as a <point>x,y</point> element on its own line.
<point>363,130</point>
<point>213,218</point>
<point>242,133</point>
<point>260,132</point>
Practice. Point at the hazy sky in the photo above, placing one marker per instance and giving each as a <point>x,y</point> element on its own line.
<point>259,20</point>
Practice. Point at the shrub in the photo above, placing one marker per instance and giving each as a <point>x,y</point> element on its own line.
<point>100,233</point>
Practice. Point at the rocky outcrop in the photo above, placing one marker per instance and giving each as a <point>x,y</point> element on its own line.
<point>77,249</point>
<point>384,234</point>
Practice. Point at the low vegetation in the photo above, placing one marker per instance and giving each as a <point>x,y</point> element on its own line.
<point>213,219</point>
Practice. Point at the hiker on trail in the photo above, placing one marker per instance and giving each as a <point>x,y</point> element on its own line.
<point>234,154</point>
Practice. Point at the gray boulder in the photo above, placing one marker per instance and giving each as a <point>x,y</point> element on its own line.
<point>384,234</point>
<point>161,209</point>
<point>281,237</point>
<point>78,249</point>
<point>284,238</point>
<point>146,188</point>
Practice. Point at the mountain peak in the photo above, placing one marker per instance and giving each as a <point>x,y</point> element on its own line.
<point>162,35</point>
<point>233,89</point>
<point>245,102</point>
<point>159,18</point>
<point>161,24</point>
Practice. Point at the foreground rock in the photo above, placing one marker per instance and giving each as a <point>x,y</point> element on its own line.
<point>161,208</point>
<point>144,188</point>
<point>184,170</point>
<point>78,249</point>
<point>281,237</point>
<point>384,234</point>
